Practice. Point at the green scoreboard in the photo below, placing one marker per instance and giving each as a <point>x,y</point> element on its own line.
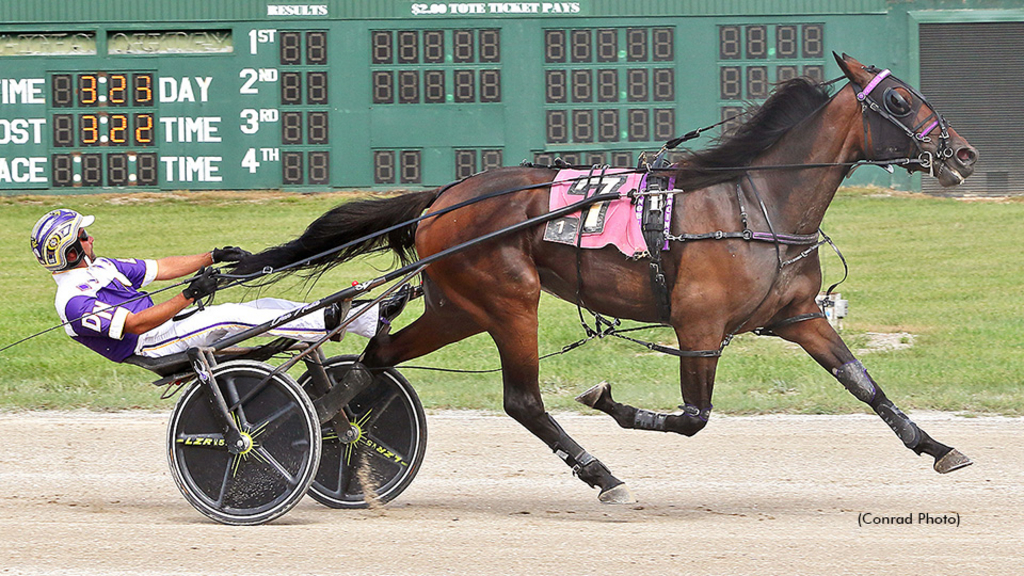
<point>254,94</point>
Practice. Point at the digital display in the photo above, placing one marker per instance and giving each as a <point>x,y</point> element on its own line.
<point>298,168</point>
<point>383,87</point>
<point>397,167</point>
<point>318,128</point>
<point>490,85</point>
<point>557,82</point>
<point>291,48</point>
<point>434,87</point>
<point>757,42</point>
<point>96,89</point>
<point>123,169</point>
<point>435,66</point>
<point>729,43</point>
<point>383,50</point>
<point>433,47</point>
<point>291,128</point>
<point>753,58</point>
<point>131,170</point>
<point>291,88</point>
<point>316,48</point>
<point>616,68</point>
<point>730,83</point>
<point>471,161</point>
<point>410,166</point>
<point>582,86</point>
<point>757,82</point>
<point>554,46</point>
<point>465,86</point>
<point>102,110</point>
<point>305,115</point>
<point>462,49</point>
<point>291,168</point>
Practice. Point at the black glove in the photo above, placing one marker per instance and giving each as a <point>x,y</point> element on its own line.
<point>202,286</point>
<point>229,254</point>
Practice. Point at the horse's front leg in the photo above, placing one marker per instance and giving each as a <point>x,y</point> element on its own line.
<point>821,341</point>
<point>697,381</point>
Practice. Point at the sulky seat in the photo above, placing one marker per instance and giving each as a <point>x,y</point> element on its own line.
<point>164,366</point>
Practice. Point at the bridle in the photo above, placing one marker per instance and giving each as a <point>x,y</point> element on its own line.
<point>894,108</point>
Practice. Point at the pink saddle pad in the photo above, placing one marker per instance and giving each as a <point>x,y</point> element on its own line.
<point>616,222</point>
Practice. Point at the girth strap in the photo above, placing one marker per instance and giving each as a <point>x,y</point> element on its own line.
<point>768,330</point>
<point>656,212</point>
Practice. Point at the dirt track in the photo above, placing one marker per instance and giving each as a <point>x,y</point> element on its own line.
<point>90,494</point>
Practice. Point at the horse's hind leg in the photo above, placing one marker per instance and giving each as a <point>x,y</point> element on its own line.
<point>820,340</point>
<point>517,345</point>
<point>509,314</point>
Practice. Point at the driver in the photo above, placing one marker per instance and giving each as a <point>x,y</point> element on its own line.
<point>108,313</point>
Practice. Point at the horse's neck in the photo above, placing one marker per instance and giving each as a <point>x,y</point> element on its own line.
<point>800,196</point>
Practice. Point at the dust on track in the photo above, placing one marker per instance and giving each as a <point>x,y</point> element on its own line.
<point>90,494</point>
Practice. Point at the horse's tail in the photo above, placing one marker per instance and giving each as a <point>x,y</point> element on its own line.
<point>341,225</point>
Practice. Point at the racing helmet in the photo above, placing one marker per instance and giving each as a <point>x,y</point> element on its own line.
<point>55,240</point>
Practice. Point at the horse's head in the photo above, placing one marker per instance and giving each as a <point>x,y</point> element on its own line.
<point>900,123</point>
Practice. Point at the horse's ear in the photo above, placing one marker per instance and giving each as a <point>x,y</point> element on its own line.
<point>841,60</point>
<point>852,69</point>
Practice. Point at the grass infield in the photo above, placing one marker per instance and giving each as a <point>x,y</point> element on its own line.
<point>935,293</point>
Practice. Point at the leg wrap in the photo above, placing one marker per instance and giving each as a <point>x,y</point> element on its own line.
<point>855,378</point>
<point>569,451</point>
<point>648,420</point>
<point>903,426</point>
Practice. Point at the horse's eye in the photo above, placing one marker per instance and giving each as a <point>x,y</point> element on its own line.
<point>895,103</point>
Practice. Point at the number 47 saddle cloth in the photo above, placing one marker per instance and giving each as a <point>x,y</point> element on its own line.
<point>618,222</point>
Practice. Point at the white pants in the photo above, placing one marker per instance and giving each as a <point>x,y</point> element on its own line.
<point>223,320</point>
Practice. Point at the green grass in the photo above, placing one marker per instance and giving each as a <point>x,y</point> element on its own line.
<point>947,271</point>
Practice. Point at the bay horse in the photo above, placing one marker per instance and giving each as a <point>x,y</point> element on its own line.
<point>786,163</point>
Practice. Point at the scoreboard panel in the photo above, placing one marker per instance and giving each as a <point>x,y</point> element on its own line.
<point>255,94</point>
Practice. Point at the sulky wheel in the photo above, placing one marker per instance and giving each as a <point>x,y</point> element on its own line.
<point>383,455</point>
<point>273,473</point>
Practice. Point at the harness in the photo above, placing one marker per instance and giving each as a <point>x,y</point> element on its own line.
<point>893,108</point>
<point>656,202</point>
<point>656,221</point>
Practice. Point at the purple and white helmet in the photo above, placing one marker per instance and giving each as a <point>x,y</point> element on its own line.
<point>55,239</point>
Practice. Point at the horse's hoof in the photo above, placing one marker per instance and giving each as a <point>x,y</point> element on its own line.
<point>617,495</point>
<point>953,460</point>
<point>590,397</point>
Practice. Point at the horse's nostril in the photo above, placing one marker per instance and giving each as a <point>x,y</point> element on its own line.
<point>967,155</point>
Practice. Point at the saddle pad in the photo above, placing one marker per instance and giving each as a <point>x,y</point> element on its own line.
<point>616,222</point>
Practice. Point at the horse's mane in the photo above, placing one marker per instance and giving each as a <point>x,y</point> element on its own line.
<point>788,105</point>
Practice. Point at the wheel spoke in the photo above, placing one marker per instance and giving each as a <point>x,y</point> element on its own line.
<point>232,401</point>
<point>266,457</point>
<point>265,380</point>
<point>345,473</point>
<point>228,474</point>
<point>271,422</point>
<point>377,409</point>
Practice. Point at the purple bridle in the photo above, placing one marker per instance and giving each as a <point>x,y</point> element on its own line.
<point>917,134</point>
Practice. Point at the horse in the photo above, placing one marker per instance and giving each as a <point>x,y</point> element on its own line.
<point>786,162</point>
